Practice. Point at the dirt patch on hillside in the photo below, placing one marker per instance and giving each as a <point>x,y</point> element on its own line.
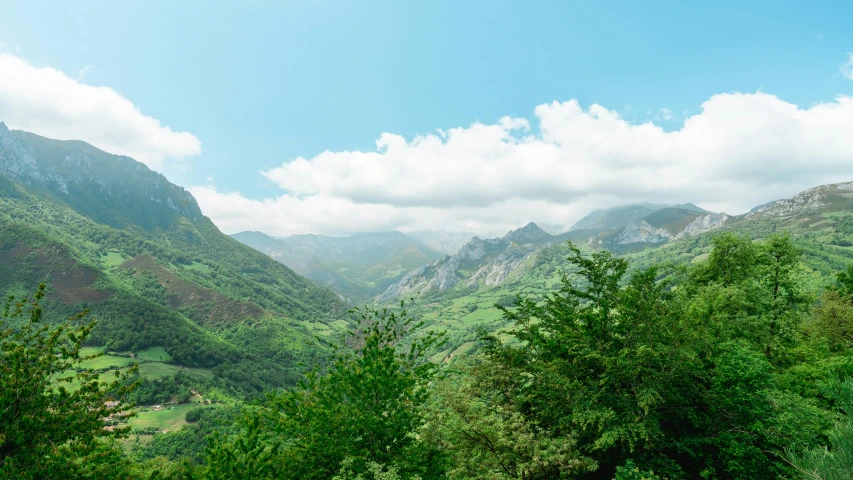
<point>203,305</point>
<point>54,265</point>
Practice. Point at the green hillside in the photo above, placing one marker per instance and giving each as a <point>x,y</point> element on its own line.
<point>823,232</point>
<point>107,234</point>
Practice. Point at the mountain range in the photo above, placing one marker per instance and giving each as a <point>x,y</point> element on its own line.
<point>491,262</point>
<point>106,233</point>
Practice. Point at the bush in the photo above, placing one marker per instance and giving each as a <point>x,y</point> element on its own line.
<point>193,415</point>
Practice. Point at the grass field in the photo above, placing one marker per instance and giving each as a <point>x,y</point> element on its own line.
<point>149,361</point>
<point>104,361</point>
<point>153,354</point>
<point>199,267</point>
<point>112,259</point>
<point>171,418</point>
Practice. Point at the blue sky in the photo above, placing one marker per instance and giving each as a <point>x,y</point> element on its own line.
<point>261,83</point>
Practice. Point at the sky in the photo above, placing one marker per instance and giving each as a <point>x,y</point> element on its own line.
<point>343,116</point>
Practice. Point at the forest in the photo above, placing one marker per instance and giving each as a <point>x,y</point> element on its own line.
<point>731,367</point>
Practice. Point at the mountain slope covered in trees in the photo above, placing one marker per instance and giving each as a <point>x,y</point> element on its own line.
<point>106,233</point>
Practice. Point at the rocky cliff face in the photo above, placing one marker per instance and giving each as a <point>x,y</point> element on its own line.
<point>496,270</point>
<point>111,189</point>
<point>704,223</point>
<point>642,232</point>
<point>480,261</point>
<point>838,195</point>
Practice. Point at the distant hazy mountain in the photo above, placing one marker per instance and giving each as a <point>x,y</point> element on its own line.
<point>623,216</point>
<point>359,266</point>
<point>444,242</point>
<point>612,217</point>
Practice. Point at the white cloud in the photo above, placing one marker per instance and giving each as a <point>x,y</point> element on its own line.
<point>46,101</point>
<point>847,68</point>
<point>739,151</point>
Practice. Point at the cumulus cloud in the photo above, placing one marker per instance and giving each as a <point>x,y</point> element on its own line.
<point>740,150</point>
<point>46,101</point>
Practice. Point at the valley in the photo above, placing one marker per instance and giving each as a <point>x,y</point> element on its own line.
<point>202,322</point>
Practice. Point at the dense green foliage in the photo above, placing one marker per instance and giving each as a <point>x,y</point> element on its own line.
<point>721,356</point>
<point>49,428</point>
<point>726,368</point>
<point>364,411</point>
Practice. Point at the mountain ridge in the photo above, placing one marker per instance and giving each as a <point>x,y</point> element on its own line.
<point>615,229</point>
<point>108,234</point>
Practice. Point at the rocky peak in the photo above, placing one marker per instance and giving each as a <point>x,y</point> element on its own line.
<point>530,233</point>
<point>642,232</point>
<point>704,223</point>
<point>3,127</point>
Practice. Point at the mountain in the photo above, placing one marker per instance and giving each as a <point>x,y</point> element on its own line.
<point>612,217</point>
<point>819,220</point>
<point>491,262</point>
<point>106,233</point>
<point>479,262</point>
<point>617,217</point>
<point>359,266</point>
<point>109,189</point>
<point>759,207</point>
<point>838,196</point>
<point>447,243</point>
<point>670,224</point>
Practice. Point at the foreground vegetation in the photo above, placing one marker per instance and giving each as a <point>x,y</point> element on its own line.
<point>724,368</point>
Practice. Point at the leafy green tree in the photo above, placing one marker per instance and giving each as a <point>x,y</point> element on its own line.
<point>845,282</point>
<point>611,367</point>
<point>832,321</point>
<point>49,428</point>
<point>473,421</point>
<point>252,453</point>
<point>833,462</point>
<point>675,379</point>
<point>751,291</point>
<point>366,410</point>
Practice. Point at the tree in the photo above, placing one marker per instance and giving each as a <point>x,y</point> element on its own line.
<point>833,462</point>
<point>51,421</point>
<point>679,380</point>
<point>473,421</point>
<point>610,367</point>
<point>365,410</point>
<point>750,291</point>
<point>845,282</point>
